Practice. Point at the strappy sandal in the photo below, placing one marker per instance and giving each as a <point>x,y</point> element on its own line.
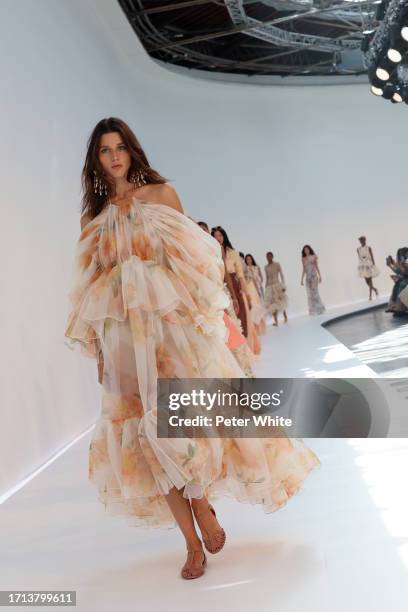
<point>219,535</point>
<point>189,573</point>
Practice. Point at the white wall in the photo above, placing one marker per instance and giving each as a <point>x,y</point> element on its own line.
<point>276,166</point>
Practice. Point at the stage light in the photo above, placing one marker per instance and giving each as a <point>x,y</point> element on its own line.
<point>400,93</point>
<point>396,40</point>
<point>387,53</point>
<point>394,55</point>
<point>389,91</point>
<point>382,74</point>
<point>376,91</point>
<point>374,80</point>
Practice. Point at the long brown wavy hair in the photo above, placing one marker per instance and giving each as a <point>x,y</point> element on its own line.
<point>93,203</point>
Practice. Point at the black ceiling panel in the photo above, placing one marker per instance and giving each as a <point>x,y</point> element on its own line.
<point>308,38</point>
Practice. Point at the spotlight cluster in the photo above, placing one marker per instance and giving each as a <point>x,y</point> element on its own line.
<point>386,51</point>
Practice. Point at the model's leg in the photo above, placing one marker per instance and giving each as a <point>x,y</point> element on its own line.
<point>181,510</point>
<point>212,532</point>
<point>285,316</point>
<point>374,288</point>
<point>275,318</point>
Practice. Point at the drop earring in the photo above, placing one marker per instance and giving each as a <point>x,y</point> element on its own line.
<point>99,185</point>
<point>138,178</point>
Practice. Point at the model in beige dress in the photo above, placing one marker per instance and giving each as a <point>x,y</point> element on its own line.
<point>276,297</point>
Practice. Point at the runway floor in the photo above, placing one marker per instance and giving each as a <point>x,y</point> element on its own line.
<point>340,545</point>
<point>377,338</point>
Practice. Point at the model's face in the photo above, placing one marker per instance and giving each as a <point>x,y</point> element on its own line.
<point>269,257</point>
<point>307,251</point>
<point>204,227</point>
<point>218,236</point>
<point>362,241</point>
<point>114,156</point>
<point>248,261</point>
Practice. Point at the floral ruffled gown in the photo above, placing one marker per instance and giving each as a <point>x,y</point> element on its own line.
<point>148,292</point>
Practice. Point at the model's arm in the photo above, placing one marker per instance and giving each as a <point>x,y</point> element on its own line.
<point>260,275</point>
<point>317,268</point>
<point>168,196</point>
<point>230,286</point>
<point>303,271</point>
<point>371,255</point>
<point>240,273</point>
<point>85,219</point>
<point>282,277</point>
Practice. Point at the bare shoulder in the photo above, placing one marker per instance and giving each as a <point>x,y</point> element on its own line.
<point>167,194</point>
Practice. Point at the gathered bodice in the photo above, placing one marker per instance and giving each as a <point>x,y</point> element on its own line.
<point>272,273</point>
<point>309,263</point>
<point>234,264</point>
<point>120,232</point>
<point>152,232</point>
<point>364,253</point>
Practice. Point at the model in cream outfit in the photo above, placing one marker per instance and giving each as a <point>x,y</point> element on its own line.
<point>147,301</point>
<point>366,265</point>
<point>257,310</point>
<point>311,273</point>
<point>276,297</point>
<point>256,273</point>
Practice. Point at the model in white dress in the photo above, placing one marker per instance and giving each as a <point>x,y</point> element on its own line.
<point>366,265</point>
<point>276,297</point>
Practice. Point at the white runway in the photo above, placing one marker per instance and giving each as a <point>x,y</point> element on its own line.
<point>341,545</point>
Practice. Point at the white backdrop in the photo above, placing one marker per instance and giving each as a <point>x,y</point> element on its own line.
<point>276,166</point>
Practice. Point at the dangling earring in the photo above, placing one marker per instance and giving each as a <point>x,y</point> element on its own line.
<point>138,178</point>
<point>99,184</point>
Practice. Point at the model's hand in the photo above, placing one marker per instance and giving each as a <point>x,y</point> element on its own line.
<point>235,305</point>
<point>248,297</point>
<point>301,282</point>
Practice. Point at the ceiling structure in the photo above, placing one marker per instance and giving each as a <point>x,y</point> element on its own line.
<point>277,38</point>
<point>386,52</point>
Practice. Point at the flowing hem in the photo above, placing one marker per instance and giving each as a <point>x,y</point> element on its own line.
<point>271,495</point>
